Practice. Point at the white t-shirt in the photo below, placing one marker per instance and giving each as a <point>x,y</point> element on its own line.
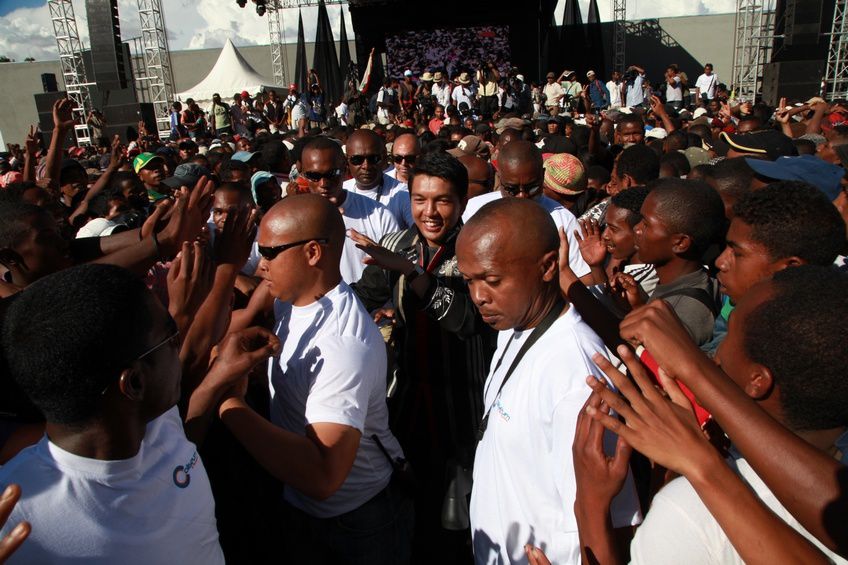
<point>562,217</point>
<point>392,194</point>
<point>674,93</point>
<point>615,93</point>
<point>155,507</point>
<point>524,486</point>
<point>332,369</point>
<point>461,94</point>
<point>553,92</point>
<point>368,217</point>
<point>442,94</point>
<point>383,95</point>
<point>680,529</point>
<point>706,84</point>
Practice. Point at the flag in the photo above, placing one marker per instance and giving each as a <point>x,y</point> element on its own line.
<point>366,75</point>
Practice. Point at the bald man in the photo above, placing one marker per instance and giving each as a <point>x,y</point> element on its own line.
<point>522,174</point>
<point>366,160</point>
<point>329,421</point>
<point>481,175</point>
<point>524,487</point>
<point>405,150</point>
<point>322,165</point>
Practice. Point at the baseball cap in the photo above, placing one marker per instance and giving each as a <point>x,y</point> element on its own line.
<point>656,133</point>
<point>696,156</point>
<point>699,112</point>
<point>565,174</point>
<point>259,178</point>
<point>243,156</point>
<point>186,174</point>
<point>245,94</point>
<point>144,159</point>
<point>770,144</point>
<point>520,77</point>
<point>590,74</point>
<point>808,168</point>
<point>407,73</point>
<point>471,145</point>
<point>99,227</point>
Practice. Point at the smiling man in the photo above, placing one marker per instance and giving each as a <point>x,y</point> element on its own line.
<point>443,347</point>
<point>524,488</point>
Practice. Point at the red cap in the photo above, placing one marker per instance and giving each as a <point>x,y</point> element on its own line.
<point>292,86</point>
<point>244,94</point>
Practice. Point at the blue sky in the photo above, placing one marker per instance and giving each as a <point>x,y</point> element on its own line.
<point>7,6</point>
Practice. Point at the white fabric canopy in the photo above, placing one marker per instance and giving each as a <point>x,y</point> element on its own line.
<point>230,75</point>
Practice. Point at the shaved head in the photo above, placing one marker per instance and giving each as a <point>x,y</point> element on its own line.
<point>507,252</point>
<point>405,144</point>
<point>520,151</point>
<point>367,139</point>
<point>303,217</point>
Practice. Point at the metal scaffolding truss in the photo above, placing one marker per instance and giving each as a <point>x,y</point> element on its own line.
<point>276,33</point>
<point>836,72</point>
<point>752,46</point>
<point>619,18</point>
<point>306,3</point>
<point>70,61</point>
<point>157,60</point>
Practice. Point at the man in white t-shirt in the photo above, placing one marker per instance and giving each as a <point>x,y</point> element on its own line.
<point>524,485</point>
<point>705,86</point>
<point>521,170</point>
<point>673,87</point>
<point>798,382</point>
<point>614,86</point>
<point>114,479</point>
<point>328,440</point>
<point>441,90</point>
<point>322,163</point>
<point>462,91</point>
<point>386,102</point>
<point>553,92</point>
<point>366,158</point>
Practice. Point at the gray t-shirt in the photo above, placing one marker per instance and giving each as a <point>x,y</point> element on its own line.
<point>697,317</point>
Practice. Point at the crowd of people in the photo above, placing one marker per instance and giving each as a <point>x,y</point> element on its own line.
<point>479,320</point>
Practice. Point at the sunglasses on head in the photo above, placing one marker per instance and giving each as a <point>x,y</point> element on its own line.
<point>270,253</point>
<point>316,177</point>
<point>398,159</point>
<point>359,159</point>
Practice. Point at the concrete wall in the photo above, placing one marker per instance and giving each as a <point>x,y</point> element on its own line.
<point>695,40</point>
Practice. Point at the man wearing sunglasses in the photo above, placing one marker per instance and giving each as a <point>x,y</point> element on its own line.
<point>328,439</point>
<point>522,173</point>
<point>405,150</point>
<point>322,165</point>
<point>366,158</point>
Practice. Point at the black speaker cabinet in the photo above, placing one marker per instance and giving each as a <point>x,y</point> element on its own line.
<point>48,82</point>
<point>798,80</point>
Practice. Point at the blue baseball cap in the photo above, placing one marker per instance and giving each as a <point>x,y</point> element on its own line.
<point>243,156</point>
<point>808,168</point>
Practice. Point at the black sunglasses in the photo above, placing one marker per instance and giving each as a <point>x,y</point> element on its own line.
<point>359,159</point>
<point>531,190</point>
<point>401,158</point>
<point>316,177</point>
<point>270,253</point>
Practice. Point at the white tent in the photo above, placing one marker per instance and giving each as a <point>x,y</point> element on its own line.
<point>230,75</point>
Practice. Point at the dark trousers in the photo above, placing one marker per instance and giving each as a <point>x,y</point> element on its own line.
<point>488,105</point>
<point>377,533</point>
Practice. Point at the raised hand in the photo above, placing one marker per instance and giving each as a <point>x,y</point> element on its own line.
<point>663,429</point>
<point>13,540</point>
<point>31,143</point>
<point>187,217</point>
<point>657,105</point>
<point>592,247</point>
<point>63,116</point>
<point>379,255</point>
<point>233,244</point>
<point>189,281</point>
<point>116,157</point>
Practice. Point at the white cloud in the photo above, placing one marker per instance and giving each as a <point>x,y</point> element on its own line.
<point>28,32</point>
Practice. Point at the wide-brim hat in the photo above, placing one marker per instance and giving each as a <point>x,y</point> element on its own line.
<point>463,79</point>
<point>437,77</point>
<point>427,77</point>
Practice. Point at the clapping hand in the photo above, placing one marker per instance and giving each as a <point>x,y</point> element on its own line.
<point>189,281</point>
<point>592,247</point>
<point>664,429</point>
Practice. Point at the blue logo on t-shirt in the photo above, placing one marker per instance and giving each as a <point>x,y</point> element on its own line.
<point>181,474</point>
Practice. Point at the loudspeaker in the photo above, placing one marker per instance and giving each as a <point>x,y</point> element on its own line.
<point>803,22</point>
<point>48,82</point>
<point>107,54</point>
<point>798,80</point>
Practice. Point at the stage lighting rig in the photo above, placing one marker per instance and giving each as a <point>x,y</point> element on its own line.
<point>260,7</point>
<point>241,3</point>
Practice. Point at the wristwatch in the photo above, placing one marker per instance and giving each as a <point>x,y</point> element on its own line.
<point>416,272</point>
